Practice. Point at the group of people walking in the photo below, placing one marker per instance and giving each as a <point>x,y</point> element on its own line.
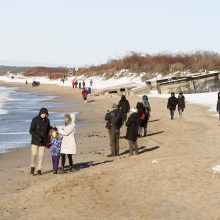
<point>173,102</point>
<point>137,121</point>
<point>81,84</point>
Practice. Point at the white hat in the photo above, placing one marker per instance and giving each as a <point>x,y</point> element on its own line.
<point>133,110</point>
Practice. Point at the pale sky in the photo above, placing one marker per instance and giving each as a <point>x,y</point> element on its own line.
<point>80,32</point>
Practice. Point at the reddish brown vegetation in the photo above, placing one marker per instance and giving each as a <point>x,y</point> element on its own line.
<point>46,71</point>
<point>163,63</point>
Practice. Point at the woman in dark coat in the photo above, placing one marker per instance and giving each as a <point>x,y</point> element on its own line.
<point>132,131</point>
<point>218,105</point>
<point>143,117</point>
<point>181,103</point>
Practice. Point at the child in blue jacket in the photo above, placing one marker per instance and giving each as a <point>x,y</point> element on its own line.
<point>55,147</point>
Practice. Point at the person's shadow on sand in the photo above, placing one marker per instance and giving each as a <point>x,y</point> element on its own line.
<point>152,134</point>
<point>80,166</point>
<point>142,150</point>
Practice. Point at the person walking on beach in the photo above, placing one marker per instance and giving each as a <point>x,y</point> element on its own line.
<point>55,146</point>
<point>80,85</point>
<point>73,84</point>
<point>114,122</point>
<point>83,84</point>
<point>132,131</point>
<point>124,106</point>
<point>146,104</point>
<point>91,82</point>
<point>68,146</point>
<point>76,84</point>
<point>39,130</point>
<point>85,94</point>
<point>171,105</point>
<point>218,105</point>
<point>143,117</point>
<point>181,104</point>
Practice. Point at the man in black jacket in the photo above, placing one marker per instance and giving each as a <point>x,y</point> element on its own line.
<point>171,105</point>
<point>39,130</point>
<point>124,106</point>
<point>115,120</point>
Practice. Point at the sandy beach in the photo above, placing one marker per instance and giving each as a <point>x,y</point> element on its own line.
<point>169,180</point>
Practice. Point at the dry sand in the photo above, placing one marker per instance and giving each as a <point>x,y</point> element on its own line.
<point>179,186</point>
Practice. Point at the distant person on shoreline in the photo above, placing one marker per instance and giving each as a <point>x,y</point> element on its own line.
<point>80,85</point>
<point>76,84</point>
<point>85,94</point>
<point>68,146</point>
<point>91,82</point>
<point>83,84</point>
<point>171,105</point>
<point>124,106</point>
<point>114,120</point>
<point>218,105</point>
<point>55,146</point>
<point>181,104</point>
<point>39,129</point>
<point>132,131</point>
<point>73,84</point>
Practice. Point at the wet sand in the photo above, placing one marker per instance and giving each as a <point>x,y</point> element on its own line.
<point>170,179</point>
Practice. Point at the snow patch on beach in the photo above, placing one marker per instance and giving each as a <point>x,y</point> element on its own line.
<point>215,169</point>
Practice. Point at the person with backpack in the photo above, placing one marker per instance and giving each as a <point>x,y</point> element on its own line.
<point>114,120</point>
<point>146,104</point>
<point>181,104</point>
<point>143,117</point>
<point>132,131</point>
<point>124,106</point>
<point>171,105</point>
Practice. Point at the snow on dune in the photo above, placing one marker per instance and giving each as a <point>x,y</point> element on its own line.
<point>204,99</point>
<point>98,82</point>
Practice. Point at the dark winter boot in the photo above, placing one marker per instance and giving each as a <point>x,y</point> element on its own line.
<point>32,170</point>
<point>39,172</point>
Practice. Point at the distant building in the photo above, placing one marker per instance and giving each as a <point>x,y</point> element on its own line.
<point>58,76</point>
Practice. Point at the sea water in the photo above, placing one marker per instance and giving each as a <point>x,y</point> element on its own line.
<point>16,112</point>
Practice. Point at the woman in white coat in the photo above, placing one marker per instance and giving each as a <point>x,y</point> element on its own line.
<point>68,146</point>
